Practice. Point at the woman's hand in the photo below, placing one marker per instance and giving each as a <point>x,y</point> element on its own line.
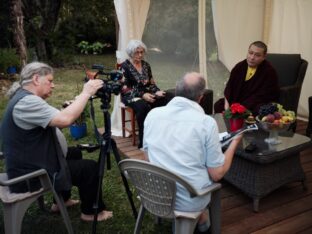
<point>149,97</point>
<point>160,93</point>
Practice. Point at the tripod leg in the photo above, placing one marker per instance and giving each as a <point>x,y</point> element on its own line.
<point>125,182</point>
<point>104,151</point>
<point>108,161</point>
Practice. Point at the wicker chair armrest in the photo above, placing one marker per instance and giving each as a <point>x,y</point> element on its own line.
<point>289,88</point>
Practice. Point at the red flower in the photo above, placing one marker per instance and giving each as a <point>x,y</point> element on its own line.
<point>236,111</point>
<point>237,108</point>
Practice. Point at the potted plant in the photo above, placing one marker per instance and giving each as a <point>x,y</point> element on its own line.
<point>236,113</point>
<point>78,128</point>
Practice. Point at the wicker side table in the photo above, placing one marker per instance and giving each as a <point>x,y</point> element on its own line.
<point>257,180</point>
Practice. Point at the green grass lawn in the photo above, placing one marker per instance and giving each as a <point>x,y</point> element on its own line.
<point>69,82</point>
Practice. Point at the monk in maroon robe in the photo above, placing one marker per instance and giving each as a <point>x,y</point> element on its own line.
<point>253,82</point>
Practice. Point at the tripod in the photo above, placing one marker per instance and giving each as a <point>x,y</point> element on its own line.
<point>107,144</point>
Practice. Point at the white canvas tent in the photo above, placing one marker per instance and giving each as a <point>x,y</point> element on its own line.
<point>285,25</point>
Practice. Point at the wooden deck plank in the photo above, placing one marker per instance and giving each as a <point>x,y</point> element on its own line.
<point>269,217</point>
<point>291,225</point>
<point>306,231</point>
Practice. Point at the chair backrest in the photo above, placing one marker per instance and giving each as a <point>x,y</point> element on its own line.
<point>155,186</point>
<point>291,69</point>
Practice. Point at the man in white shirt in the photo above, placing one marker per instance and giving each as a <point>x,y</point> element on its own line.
<point>183,139</point>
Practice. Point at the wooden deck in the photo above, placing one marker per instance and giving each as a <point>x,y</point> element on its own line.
<point>286,210</point>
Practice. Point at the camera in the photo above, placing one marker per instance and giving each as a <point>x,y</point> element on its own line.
<point>112,80</point>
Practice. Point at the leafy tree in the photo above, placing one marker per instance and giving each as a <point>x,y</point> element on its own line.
<point>41,18</point>
<point>89,21</point>
<point>6,36</point>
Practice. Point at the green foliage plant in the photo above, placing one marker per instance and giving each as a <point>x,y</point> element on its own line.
<point>84,47</point>
<point>8,58</point>
<point>95,48</point>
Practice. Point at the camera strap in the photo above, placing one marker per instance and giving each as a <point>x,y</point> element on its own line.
<point>98,136</point>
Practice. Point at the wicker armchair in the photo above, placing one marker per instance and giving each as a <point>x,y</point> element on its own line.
<point>156,188</point>
<point>291,69</point>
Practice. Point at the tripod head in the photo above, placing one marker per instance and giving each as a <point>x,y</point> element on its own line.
<point>112,83</point>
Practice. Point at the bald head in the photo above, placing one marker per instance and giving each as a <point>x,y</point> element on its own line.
<point>191,86</point>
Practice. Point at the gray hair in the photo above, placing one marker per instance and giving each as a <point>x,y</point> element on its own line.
<point>191,86</point>
<point>27,73</point>
<point>133,45</point>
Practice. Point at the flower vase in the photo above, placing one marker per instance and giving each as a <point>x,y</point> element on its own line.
<point>236,124</point>
<point>78,131</point>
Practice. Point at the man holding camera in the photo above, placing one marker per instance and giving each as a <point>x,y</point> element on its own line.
<point>32,139</point>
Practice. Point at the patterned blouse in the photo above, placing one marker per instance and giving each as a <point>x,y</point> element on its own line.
<point>136,83</point>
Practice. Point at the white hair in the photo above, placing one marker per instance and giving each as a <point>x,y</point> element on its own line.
<point>133,45</point>
<point>27,73</point>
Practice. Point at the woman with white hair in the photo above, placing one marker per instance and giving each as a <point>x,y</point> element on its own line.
<point>140,91</point>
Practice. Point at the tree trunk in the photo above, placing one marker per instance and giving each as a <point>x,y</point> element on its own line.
<point>46,14</point>
<point>18,30</point>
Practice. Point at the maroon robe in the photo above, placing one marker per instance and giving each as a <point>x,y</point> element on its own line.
<point>261,89</point>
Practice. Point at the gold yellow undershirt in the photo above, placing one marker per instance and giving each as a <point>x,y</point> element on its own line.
<point>250,72</point>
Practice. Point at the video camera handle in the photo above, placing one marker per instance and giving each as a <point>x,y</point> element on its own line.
<point>101,71</point>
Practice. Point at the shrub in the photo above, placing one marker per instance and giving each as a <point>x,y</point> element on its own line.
<point>8,58</point>
<point>95,48</point>
<point>84,47</point>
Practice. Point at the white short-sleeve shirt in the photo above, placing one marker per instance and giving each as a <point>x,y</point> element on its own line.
<point>181,138</point>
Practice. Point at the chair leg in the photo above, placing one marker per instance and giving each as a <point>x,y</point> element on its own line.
<point>185,226</point>
<point>138,224</point>
<point>309,128</point>
<point>60,202</point>
<point>215,212</point>
<point>133,127</point>
<point>14,214</point>
<point>123,123</point>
